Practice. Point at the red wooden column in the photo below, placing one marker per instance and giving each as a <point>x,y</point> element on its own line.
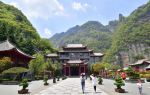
<point>79,70</point>
<point>69,70</point>
<point>84,68</point>
<point>64,67</point>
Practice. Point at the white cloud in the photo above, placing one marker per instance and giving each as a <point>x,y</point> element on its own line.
<point>79,6</point>
<point>47,33</point>
<point>15,4</point>
<point>40,8</point>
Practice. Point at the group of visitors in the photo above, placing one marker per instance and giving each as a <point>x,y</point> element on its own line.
<point>94,81</point>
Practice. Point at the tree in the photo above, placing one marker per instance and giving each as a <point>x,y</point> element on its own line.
<point>37,65</point>
<point>5,63</point>
<point>97,67</point>
<point>58,69</point>
<point>119,82</point>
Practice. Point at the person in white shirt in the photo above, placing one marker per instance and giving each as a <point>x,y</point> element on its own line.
<point>139,84</point>
<point>94,81</point>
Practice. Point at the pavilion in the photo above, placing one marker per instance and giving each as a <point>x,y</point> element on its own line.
<point>141,65</point>
<point>18,57</point>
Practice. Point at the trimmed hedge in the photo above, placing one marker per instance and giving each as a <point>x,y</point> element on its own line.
<point>15,70</point>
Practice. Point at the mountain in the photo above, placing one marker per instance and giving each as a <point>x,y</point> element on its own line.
<point>16,27</point>
<point>92,33</point>
<point>131,40</point>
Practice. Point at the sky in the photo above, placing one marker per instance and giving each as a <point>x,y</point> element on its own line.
<point>56,16</point>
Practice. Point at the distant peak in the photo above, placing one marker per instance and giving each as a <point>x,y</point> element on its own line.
<point>93,22</point>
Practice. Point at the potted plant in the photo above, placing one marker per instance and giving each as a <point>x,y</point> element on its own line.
<point>148,77</point>
<point>64,77</point>
<point>58,78</point>
<point>100,80</point>
<point>45,80</point>
<point>54,80</point>
<point>119,82</point>
<point>24,84</point>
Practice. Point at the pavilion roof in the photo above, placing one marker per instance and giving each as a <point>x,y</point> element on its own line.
<point>6,46</point>
<point>52,55</point>
<point>62,51</point>
<point>75,46</point>
<point>74,61</point>
<point>148,67</point>
<point>97,54</point>
<point>139,62</point>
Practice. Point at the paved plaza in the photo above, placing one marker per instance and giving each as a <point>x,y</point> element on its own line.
<point>131,88</point>
<point>71,86</point>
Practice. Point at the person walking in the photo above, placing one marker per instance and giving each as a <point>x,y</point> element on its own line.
<point>83,82</point>
<point>139,84</point>
<point>94,81</point>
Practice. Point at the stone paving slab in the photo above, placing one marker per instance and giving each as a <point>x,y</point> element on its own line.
<point>71,86</point>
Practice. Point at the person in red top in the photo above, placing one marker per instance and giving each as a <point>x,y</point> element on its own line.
<point>123,75</point>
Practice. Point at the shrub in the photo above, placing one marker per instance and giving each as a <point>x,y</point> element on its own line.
<point>13,73</point>
<point>64,77</point>
<point>134,75</point>
<point>100,80</point>
<point>119,82</point>
<point>45,80</point>
<point>58,77</point>
<point>5,63</point>
<point>24,83</point>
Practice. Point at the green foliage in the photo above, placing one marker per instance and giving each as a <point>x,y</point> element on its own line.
<point>129,71</point>
<point>16,27</point>
<point>64,77</point>
<point>119,82</point>
<point>114,67</point>
<point>15,70</point>
<point>58,69</point>
<point>37,65</point>
<point>138,57</point>
<point>100,80</point>
<point>5,63</point>
<point>92,34</point>
<point>45,80</point>
<point>24,83</point>
<point>134,30</point>
<point>97,67</point>
<point>48,65</point>
<point>134,76</point>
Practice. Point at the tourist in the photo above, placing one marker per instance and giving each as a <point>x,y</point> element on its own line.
<point>123,75</point>
<point>94,81</point>
<point>139,84</point>
<point>83,82</point>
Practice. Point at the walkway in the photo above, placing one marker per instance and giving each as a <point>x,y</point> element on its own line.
<point>71,86</point>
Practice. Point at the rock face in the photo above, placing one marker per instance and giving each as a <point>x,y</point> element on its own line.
<point>126,40</point>
<point>131,40</point>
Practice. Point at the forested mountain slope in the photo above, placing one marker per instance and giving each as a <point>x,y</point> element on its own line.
<point>16,27</point>
<point>93,34</point>
<point>131,41</point>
